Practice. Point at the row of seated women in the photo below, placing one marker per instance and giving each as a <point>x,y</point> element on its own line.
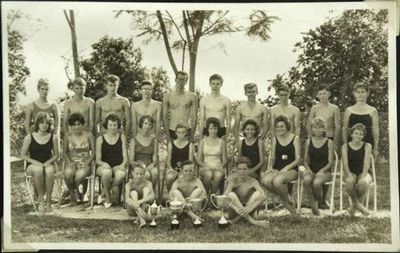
<point>112,158</point>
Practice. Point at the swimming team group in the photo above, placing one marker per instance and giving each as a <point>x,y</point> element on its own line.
<point>97,132</point>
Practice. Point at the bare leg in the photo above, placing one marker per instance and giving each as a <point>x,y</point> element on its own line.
<point>237,206</point>
<point>69,174</point>
<point>208,176</point>
<point>350,188</point>
<point>50,174</point>
<point>362,187</point>
<point>36,172</point>
<point>140,213</point>
<point>280,184</point>
<point>308,182</point>
<point>318,185</point>
<point>106,180</point>
<point>170,178</point>
<point>267,179</point>
<point>217,181</point>
<point>154,176</point>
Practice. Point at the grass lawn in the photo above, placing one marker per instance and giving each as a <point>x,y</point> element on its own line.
<point>282,229</point>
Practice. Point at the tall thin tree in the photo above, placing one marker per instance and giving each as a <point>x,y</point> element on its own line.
<point>71,23</point>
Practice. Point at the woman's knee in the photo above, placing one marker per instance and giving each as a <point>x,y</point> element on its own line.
<point>308,180</point>
<point>106,174</point>
<point>119,174</point>
<point>208,175</point>
<point>134,194</point>
<point>34,170</point>
<point>49,170</point>
<point>218,176</point>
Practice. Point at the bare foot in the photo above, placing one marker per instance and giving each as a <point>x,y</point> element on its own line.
<point>362,209</point>
<point>352,211</point>
<point>142,223</point>
<point>260,223</point>
<point>41,207</point>
<point>315,210</point>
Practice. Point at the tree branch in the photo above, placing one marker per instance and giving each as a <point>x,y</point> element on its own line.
<point>208,29</point>
<point>185,25</point>
<point>190,22</point>
<point>176,26</point>
<point>66,17</point>
<point>166,41</point>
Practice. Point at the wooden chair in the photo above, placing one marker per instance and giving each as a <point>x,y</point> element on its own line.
<point>373,185</point>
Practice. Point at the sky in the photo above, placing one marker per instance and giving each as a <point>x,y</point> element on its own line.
<point>243,59</point>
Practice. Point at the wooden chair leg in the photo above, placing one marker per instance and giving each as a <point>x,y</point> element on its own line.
<point>375,198</point>
<point>332,202</point>
<point>367,198</point>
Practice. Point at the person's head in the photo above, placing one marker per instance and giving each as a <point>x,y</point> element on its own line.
<point>187,170</point>
<point>251,90</point>
<point>216,81</point>
<point>42,122</point>
<point>181,79</point>
<point>78,86</point>
<point>76,121</point>
<point>360,91</point>
<point>281,124</point>
<point>43,87</point>
<point>138,173</point>
<point>112,83</point>
<point>212,126</point>
<point>283,93</point>
<point>146,122</point>
<point>318,126</point>
<point>250,128</point>
<point>323,93</point>
<point>146,87</point>
<point>358,132</point>
<point>243,165</point>
<point>112,123</point>
<point>181,131</point>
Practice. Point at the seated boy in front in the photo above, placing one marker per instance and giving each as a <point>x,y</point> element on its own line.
<point>187,187</point>
<point>139,194</point>
<point>245,193</point>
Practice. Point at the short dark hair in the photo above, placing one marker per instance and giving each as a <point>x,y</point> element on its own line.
<point>143,118</point>
<point>243,159</point>
<point>182,73</point>
<point>284,119</point>
<point>358,126</point>
<point>214,121</point>
<point>114,118</point>
<point>146,82</point>
<point>77,81</point>
<point>216,77</point>
<point>180,125</point>
<point>282,88</point>
<point>253,123</point>
<point>40,118</point>
<point>112,78</point>
<point>323,86</point>
<point>360,85</point>
<point>42,82</point>
<point>186,162</point>
<point>74,117</point>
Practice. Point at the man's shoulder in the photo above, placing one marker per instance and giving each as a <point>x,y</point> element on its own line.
<point>294,108</point>
<point>88,100</point>
<point>100,100</point>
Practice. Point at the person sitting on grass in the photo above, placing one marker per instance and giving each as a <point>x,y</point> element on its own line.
<point>139,193</point>
<point>78,153</point>
<point>252,147</point>
<point>245,193</point>
<point>179,150</point>
<point>111,158</point>
<point>318,160</point>
<point>144,148</point>
<point>356,158</point>
<point>282,167</point>
<point>212,157</point>
<point>40,150</point>
<point>187,187</point>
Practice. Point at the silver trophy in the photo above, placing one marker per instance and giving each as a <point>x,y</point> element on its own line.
<point>222,202</point>
<point>176,208</point>
<point>153,212</point>
<point>197,205</point>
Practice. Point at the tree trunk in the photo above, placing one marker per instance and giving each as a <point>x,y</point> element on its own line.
<point>166,41</point>
<point>75,56</point>
<point>193,55</point>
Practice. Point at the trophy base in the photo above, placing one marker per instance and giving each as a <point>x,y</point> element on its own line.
<point>197,225</point>
<point>152,225</point>
<point>223,225</point>
<point>175,226</point>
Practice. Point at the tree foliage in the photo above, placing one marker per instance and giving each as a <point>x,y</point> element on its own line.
<point>119,57</point>
<point>17,74</point>
<point>341,52</point>
<point>182,31</point>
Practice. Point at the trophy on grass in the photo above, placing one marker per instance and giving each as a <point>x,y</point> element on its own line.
<point>222,202</point>
<point>153,212</point>
<point>197,205</point>
<point>176,208</point>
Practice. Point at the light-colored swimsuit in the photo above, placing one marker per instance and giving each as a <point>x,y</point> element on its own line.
<point>212,155</point>
<point>79,152</point>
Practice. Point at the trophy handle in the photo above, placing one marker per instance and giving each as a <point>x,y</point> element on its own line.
<point>167,203</point>
<point>211,199</point>
<point>205,201</point>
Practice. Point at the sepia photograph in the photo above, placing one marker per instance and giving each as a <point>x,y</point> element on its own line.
<point>214,126</point>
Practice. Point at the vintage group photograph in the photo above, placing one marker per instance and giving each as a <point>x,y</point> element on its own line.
<point>200,126</point>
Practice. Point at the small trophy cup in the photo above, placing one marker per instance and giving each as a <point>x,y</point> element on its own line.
<point>153,212</point>
<point>196,204</point>
<point>221,203</point>
<point>176,208</point>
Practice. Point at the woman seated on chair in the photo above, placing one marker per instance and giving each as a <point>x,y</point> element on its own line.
<point>318,160</point>
<point>179,150</point>
<point>144,148</point>
<point>212,157</point>
<point>111,158</point>
<point>40,150</point>
<point>78,153</point>
<point>356,156</point>
<point>139,193</point>
<point>282,166</point>
<point>252,147</point>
